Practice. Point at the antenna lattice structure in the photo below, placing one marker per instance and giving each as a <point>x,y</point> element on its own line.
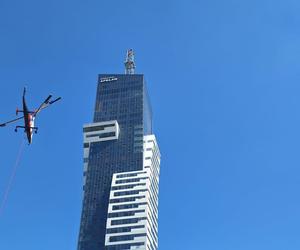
<point>129,62</point>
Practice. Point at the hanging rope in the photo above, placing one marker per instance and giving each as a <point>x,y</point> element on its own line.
<point>12,176</point>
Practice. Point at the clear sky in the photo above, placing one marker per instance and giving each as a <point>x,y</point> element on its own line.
<point>224,81</point>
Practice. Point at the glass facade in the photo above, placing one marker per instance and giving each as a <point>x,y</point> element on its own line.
<point>122,98</point>
<point>133,208</point>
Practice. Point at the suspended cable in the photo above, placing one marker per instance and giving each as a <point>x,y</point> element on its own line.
<point>12,176</point>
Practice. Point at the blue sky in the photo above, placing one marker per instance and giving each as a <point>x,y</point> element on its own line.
<point>223,77</point>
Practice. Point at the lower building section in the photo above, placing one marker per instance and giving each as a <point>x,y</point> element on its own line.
<point>133,204</point>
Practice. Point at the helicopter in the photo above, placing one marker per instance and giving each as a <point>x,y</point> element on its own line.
<point>29,116</point>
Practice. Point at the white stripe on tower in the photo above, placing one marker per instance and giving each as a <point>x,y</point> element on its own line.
<point>133,205</point>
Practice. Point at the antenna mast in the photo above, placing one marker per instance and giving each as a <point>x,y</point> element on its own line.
<point>129,62</point>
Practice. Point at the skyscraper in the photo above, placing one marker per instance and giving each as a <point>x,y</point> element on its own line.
<point>121,167</point>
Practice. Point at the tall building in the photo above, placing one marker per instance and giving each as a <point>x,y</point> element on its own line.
<point>121,167</point>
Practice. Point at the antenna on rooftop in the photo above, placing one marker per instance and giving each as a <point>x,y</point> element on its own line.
<point>129,62</point>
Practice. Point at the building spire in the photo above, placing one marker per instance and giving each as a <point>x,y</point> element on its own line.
<point>129,62</point>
